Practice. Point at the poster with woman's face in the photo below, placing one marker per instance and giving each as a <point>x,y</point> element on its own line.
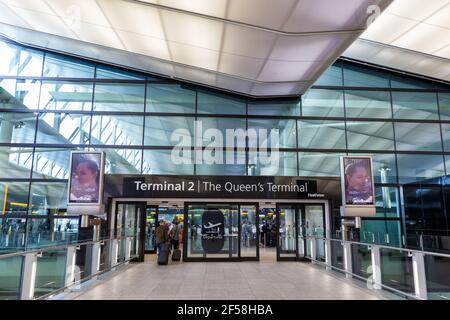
<point>358,181</point>
<point>85,178</point>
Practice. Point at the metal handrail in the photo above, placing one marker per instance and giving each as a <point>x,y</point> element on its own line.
<point>60,247</point>
<point>383,246</point>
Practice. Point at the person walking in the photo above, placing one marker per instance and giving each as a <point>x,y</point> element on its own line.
<point>161,235</point>
<point>175,234</point>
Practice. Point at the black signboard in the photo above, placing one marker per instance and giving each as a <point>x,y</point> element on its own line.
<point>213,231</point>
<point>153,186</point>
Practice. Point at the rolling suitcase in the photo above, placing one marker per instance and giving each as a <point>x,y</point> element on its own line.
<point>163,255</point>
<point>176,255</point>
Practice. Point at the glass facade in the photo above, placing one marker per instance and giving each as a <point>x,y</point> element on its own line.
<point>51,104</point>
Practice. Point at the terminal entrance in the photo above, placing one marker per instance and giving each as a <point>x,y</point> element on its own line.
<point>228,231</point>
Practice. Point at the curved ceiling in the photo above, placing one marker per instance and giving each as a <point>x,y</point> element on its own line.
<point>410,35</point>
<point>252,47</point>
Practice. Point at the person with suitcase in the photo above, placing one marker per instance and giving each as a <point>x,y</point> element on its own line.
<point>162,243</point>
<point>175,239</point>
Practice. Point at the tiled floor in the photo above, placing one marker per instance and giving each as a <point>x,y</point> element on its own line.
<point>267,279</point>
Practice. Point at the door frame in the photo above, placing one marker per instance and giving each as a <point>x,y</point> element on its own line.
<point>156,225</point>
<point>141,239</point>
<point>221,259</point>
<point>301,206</point>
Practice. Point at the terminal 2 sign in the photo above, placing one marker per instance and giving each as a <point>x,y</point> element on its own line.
<point>220,187</point>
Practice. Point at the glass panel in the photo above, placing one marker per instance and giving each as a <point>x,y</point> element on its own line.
<point>59,95</point>
<point>12,235</point>
<point>368,104</point>
<point>20,61</point>
<point>122,161</point>
<point>359,76</point>
<point>404,81</point>
<point>312,164</point>
<point>384,166</point>
<point>170,98</point>
<point>48,198</point>
<point>117,130</point>
<point>361,260</point>
<point>63,128</point>
<point>314,225</point>
<point>337,255</point>
<point>218,104</point>
<point>51,163</point>
<point>279,163</point>
<point>231,126</point>
<point>19,94</point>
<point>380,232</point>
<point>321,134</point>
<point>396,270</point>
<point>66,67</point>
<point>213,231</point>
<point>169,131</point>
<point>387,204</point>
<point>14,197</point>
<point>10,274</point>
<point>17,127</point>
<point>332,76</point>
<point>160,162</point>
<point>286,132</point>
<point>415,105</point>
<point>249,241</point>
<point>444,105</point>
<point>369,135</point>
<point>418,136</point>
<point>288,108</point>
<point>446,136</point>
<point>81,263</point>
<point>414,168</point>
<point>323,103</point>
<point>15,162</point>
<point>224,166</point>
<point>287,232</point>
<point>50,272</point>
<point>108,72</point>
<point>438,277</point>
<point>126,97</point>
<point>150,226</point>
<point>268,231</point>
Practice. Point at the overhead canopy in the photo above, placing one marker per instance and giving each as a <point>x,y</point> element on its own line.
<point>411,35</point>
<point>253,47</point>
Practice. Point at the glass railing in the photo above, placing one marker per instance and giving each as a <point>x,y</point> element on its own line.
<point>44,272</point>
<point>409,273</point>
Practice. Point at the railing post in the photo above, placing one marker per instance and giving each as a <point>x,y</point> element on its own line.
<point>127,249</point>
<point>95,258</point>
<point>420,280</point>
<point>347,248</point>
<point>28,276</point>
<point>313,246</point>
<point>70,265</point>
<point>114,252</point>
<point>376,267</point>
<point>328,254</point>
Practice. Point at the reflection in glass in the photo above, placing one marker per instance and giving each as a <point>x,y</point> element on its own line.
<point>313,164</point>
<point>321,134</point>
<point>370,135</point>
<point>170,98</point>
<point>15,198</point>
<point>118,96</point>
<point>15,162</point>
<point>10,274</point>
<point>287,108</point>
<point>59,95</point>
<point>415,105</point>
<point>359,76</point>
<point>108,72</point>
<point>219,104</point>
<point>249,240</point>
<point>160,162</point>
<point>169,131</point>
<point>332,76</point>
<point>63,128</point>
<point>48,198</point>
<point>275,163</point>
<point>117,130</point>
<point>20,61</point>
<point>237,167</point>
<point>287,131</point>
<point>122,161</point>
<point>19,94</point>
<point>419,167</point>
<point>50,272</point>
<point>60,66</point>
<point>17,127</point>
<point>418,136</point>
<point>444,105</point>
<point>368,104</point>
<point>323,103</point>
<point>51,163</point>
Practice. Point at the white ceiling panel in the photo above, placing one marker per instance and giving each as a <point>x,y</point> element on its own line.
<point>258,44</point>
<point>241,66</point>
<point>419,38</point>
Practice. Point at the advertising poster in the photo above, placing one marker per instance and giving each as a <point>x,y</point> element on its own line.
<point>358,181</point>
<point>85,174</point>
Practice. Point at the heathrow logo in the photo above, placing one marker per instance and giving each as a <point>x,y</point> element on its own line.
<point>210,225</point>
<point>212,147</point>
